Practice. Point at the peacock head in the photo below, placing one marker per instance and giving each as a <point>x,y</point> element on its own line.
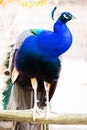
<point>65,17</point>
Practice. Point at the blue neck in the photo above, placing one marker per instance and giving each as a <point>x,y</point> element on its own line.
<point>58,24</point>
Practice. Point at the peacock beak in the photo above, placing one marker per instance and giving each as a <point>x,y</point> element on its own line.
<point>73,17</point>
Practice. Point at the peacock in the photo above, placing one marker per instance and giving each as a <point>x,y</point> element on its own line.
<point>33,68</point>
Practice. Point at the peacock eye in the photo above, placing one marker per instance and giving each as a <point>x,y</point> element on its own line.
<point>65,16</point>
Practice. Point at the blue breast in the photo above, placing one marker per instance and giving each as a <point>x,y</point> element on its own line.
<point>57,42</point>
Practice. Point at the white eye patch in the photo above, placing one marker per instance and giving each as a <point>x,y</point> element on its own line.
<point>65,16</point>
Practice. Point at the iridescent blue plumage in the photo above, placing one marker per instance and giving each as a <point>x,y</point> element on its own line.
<point>44,47</point>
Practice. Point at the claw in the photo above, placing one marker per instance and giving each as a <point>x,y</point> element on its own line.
<point>34,113</point>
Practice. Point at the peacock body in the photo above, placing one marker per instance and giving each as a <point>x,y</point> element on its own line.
<point>36,56</point>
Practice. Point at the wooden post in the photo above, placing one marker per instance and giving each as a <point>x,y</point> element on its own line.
<point>54,118</point>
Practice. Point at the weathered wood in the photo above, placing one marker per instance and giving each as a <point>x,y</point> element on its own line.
<point>54,118</point>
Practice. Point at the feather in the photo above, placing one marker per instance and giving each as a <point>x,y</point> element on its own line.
<point>6,93</point>
<point>52,13</point>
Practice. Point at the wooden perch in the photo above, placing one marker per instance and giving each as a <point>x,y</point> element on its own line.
<point>54,118</point>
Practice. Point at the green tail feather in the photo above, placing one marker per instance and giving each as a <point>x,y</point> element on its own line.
<point>7,91</point>
<point>6,63</point>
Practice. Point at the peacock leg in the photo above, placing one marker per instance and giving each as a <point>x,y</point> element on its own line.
<point>34,86</point>
<point>47,89</point>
